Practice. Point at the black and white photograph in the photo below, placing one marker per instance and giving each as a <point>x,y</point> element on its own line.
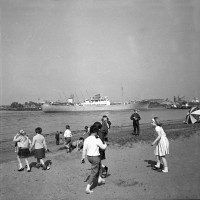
<point>99,99</point>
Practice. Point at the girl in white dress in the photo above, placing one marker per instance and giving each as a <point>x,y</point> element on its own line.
<point>162,144</point>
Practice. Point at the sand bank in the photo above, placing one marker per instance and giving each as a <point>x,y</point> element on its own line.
<point>131,175</point>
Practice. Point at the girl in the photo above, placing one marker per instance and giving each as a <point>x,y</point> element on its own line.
<point>162,144</point>
<point>23,144</point>
<point>40,146</point>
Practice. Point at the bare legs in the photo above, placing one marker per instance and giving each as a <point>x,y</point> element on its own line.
<point>165,164</point>
<point>158,158</point>
<point>20,164</point>
<point>27,164</point>
<point>19,161</point>
<point>41,162</point>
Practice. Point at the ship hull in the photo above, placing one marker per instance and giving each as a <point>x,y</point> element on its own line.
<point>70,108</point>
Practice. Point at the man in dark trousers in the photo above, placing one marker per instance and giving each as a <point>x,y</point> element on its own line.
<point>136,126</point>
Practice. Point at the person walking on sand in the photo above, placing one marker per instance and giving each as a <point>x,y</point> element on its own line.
<point>104,169</point>
<point>68,138</point>
<point>136,126</point>
<point>40,146</point>
<point>91,148</point>
<point>162,144</point>
<point>23,144</point>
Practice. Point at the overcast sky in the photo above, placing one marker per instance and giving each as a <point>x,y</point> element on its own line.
<point>53,48</point>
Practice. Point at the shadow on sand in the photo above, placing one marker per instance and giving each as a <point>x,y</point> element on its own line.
<point>36,165</point>
<point>152,163</point>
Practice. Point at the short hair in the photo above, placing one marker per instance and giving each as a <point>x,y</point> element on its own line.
<point>38,130</point>
<point>157,121</point>
<point>81,138</point>
<point>86,127</point>
<point>98,125</point>
<point>67,127</point>
<point>93,129</point>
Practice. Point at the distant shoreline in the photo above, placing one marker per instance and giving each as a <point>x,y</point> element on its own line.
<point>20,109</point>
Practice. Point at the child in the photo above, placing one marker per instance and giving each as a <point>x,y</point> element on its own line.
<point>87,130</point>
<point>162,144</point>
<point>57,137</point>
<point>68,138</point>
<point>16,147</point>
<point>105,127</point>
<point>23,145</point>
<point>40,146</point>
<point>78,144</point>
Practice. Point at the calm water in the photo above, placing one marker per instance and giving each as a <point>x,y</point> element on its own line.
<point>12,121</point>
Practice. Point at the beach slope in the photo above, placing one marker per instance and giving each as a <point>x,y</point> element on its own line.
<point>131,175</point>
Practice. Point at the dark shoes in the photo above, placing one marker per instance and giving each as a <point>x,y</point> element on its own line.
<point>20,169</point>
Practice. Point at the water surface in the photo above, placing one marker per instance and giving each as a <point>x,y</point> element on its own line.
<point>12,121</point>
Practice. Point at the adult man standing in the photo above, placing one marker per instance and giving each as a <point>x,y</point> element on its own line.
<point>136,126</point>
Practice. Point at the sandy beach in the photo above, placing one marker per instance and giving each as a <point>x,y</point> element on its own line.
<point>131,176</point>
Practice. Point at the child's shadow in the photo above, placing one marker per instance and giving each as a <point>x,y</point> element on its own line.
<point>48,163</point>
<point>152,163</point>
<point>32,164</point>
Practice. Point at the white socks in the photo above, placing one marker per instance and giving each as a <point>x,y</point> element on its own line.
<point>88,191</point>
<point>165,170</point>
<point>157,165</point>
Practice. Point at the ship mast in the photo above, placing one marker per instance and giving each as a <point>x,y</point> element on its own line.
<point>122,89</point>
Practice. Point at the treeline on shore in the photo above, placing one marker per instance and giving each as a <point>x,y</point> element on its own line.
<point>15,106</point>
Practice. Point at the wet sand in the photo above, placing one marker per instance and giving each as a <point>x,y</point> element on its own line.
<point>131,176</point>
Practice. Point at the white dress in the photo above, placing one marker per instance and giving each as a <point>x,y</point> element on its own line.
<point>162,147</point>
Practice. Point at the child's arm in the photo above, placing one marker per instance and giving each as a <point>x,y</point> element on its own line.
<point>157,139</point>
<point>45,145</point>
<point>16,138</point>
<point>29,141</point>
<point>101,145</point>
<point>33,144</point>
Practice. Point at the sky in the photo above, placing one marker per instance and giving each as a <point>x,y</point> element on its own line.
<point>123,49</point>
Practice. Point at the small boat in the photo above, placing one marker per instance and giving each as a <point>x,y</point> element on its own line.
<point>96,103</point>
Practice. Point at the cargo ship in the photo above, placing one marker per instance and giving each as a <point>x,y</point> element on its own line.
<point>96,103</point>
